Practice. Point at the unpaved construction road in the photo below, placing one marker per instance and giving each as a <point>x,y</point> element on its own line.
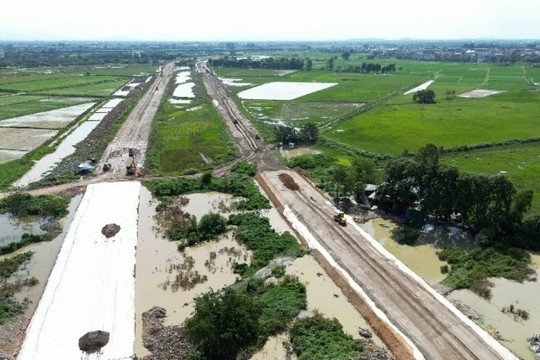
<point>135,131</point>
<point>435,330</point>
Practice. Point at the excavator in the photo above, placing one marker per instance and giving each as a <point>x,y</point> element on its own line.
<point>131,167</point>
<point>340,219</point>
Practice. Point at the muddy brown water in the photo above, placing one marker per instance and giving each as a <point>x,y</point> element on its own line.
<point>422,259</point>
<point>42,262</point>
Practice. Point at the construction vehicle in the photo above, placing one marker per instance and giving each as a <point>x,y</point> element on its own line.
<point>131,167</point>
<point>340,219</point>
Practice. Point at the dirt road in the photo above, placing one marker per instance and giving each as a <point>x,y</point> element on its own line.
<point>244,134</point>
<point>435,330</point>
<point>135,131</point>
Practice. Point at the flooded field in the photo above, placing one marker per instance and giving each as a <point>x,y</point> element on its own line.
<point>54,119</point>
<point>283,90</point>
<point>24,139</point>
<point>159,265</point>
<point>423,86</point>
<point>8,155</point>
<point>42,261</point>
<point>49,161</point>
<point>513,330</point>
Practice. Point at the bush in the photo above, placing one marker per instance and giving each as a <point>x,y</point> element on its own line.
<point>23,204</point>
<point>406,235</point>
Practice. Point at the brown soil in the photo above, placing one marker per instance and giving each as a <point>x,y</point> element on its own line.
<point>12,336</point>
<point>164,342</point>
<point>93,341</point>
<point>288,181</point>
<point>110,230</point>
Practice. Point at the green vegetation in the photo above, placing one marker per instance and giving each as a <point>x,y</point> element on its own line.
<point>231,322</point>
<point>318,338</point>
<point>26,239</point>
<point>257,234</point>
<point>471,269</point>
<point>189,232</point>
<point>239,183</point>
<point>23,204</point>
<point>187,138</point>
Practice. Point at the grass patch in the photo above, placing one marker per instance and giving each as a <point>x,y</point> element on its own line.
<point>257,234</point>
<point>23,204</point>
<point>318,338</point>
<point>471,269</point>
<point>190,137</point>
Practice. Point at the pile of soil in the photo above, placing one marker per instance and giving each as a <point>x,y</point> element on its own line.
<point>110,230</point>
<point>164,342</point>
<point>93,341</point>
<point>288,181</point>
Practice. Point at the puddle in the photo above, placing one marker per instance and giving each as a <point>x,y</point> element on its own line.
<point>504,293</point>
<point>422,259</point>
<point>290,153</point>
<point>184,90</point>
<point>43,260</point>
<point>49,161</point>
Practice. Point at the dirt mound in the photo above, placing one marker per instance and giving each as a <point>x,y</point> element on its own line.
<point>288,181</point>
<point>164,342</point>
<point>110,230</point>
<point>93,341</point>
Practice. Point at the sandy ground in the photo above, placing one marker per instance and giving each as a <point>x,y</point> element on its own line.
<point>434,329</point>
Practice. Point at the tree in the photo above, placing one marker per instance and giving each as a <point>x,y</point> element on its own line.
<point>223,324</point>
<point>424,97</point>
<point>308,65</point>
<point>211,225</point>
<point>363,172</point>
<point>330,64</point>
<point>343,181</point>
<point>309,134</point>
<point>346,55</point>
<point>401,183</point>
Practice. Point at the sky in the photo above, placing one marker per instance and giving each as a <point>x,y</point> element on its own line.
<point>258,20</point>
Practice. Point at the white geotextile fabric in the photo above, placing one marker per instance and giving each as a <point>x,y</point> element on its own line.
<point>92,284</point>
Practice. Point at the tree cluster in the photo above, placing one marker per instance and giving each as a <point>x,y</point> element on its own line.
<point>352,179</point>
<point>424,97</point>
<point>281,63</point>
<point>477,201</point>
<point>308,134</point>
<point>371,68</point>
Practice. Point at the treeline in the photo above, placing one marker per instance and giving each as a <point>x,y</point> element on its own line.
<point>370,68</point>
<point>27,58</point>
<point>488,205</point>
<point>281,63</point>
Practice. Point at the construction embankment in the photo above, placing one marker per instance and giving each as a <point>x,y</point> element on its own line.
<point>412,319</point>
<point>92,285</point>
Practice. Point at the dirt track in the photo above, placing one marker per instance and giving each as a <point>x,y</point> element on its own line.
<point>432,327</point>
<point>135,131</point>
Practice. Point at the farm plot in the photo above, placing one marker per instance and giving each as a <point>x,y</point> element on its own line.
<point>520,163</point>
<point>103,88</point>
<point>19,105</point>
<point>450,123</point>
<point>54,119</point>
<point>182,139</point>
<point>56,83</point>
<point>24,139</point>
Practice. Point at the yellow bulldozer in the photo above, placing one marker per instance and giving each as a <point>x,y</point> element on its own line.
<point>340,219</point>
